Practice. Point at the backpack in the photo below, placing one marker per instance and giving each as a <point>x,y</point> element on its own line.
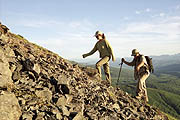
<point>150,65</point>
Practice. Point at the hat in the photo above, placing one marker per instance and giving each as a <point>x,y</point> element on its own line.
<point>134,52</point>
<point>98,33</point>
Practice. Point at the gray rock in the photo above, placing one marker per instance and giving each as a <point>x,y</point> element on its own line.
<point>141,109</point>
<point>90,71</point>
<point>40,116</point>
<point>9,52</point>
<point>65,111</point>
<point>27,116</point>
<point>61,101</point>
<point>57,113</point>
<point>16,76</point>
<point>28,65</point>
<point>116,106</point>
<point>21,101</point>
<point>68,98</point>
<point>62,79</point>
<point>59,116</point>
<point>31,57</point>
<point>45,94</point>
<point>12,67</point>
<point>64,89</point>
<point>9,107</point>
<point>36,68</point>
<point>5,72</point>
<point>79,116</point>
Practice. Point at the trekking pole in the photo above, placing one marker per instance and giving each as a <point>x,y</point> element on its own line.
<point>119,73</point>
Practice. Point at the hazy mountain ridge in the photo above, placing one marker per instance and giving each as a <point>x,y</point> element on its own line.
<point>158,61</point>
<point>173,69</point>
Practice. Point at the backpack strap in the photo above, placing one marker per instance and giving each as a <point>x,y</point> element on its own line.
<point>140,57</point>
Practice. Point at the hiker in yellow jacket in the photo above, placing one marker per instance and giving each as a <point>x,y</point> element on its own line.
<point>106,53</point>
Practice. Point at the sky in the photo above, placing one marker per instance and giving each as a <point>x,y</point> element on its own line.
<point>66,27</point>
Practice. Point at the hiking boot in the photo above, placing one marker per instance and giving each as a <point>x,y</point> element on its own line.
<point>98,76</point>
<point>145,99</point>
<point>138,97</point>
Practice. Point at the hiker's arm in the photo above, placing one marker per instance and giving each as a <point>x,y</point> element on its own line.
<point>110,50</point>
<point>91,52</point>
<point>128,63</point>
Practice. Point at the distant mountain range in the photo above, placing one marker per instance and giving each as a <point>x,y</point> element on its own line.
<point>158,61</point>
<point>169,64</point>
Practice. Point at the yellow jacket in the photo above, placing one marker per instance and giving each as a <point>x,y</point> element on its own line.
<point>104,49</point>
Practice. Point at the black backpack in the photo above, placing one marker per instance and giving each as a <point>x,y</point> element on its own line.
<point>150,65</point>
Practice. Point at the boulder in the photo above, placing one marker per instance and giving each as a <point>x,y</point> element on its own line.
<point>3,29</point>
<point>45,94</point>
<point>79,116</point>
<point>36,68</point>
<point>5,72</point>
<point>61,101</point>
<point>65,111</point>
<point>62,79</point>
<point>9,107</point>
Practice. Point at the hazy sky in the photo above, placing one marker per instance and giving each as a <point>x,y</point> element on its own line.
<point>67,26</point>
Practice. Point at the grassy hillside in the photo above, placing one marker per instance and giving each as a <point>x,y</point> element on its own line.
<point>173,69</point>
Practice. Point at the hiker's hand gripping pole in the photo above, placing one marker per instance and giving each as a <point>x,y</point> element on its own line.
<point>119,72</point>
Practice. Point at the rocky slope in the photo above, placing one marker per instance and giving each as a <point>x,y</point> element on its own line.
<point>36,84</point>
